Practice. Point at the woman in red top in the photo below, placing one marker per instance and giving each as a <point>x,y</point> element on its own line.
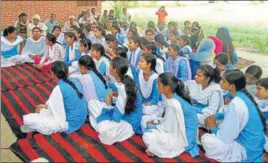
<point>161,13</point>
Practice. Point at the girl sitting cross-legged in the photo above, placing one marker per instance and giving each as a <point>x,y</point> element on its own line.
<point>176,132</point>
<point>120,117</point>
<point>64,111</point>
<point>240,135</point>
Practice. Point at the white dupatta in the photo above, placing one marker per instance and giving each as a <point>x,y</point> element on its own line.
<point>56,106</point>
<point>147,86</point>
<point>6,45</point>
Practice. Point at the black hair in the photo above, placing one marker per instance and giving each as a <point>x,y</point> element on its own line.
<point>222,58</point>
<point>56,27</point>
<point>176,85</point>
<point>121,65</point>
<point>185,39</point>
<point>144,41</point>
<point>263,82</point>
<point>149,30</point>
<point>60,69</point>
<point>8,30</point>
<point>22,14</point>
<point>212,73</point>
<point>255,71</point>
<point>151,24</point>
<point>116,27</point>
<point>86,43</point>
<point>153,48</point>
<point>121,51</point>
<point>187,21</point>
<point>150,58</point>
<point>134,31</point>
<point>175,33</point>
<point>161,39</point>
<point>238,78</point>
<point>223,34</point>
<point>111,37</point>
<point>52,38</point>
<point>136,39</point>
<point>175,24</point>
<point>196,24</point>
<point>103,32</point>
<point>89,63</point>
<point>176,48</point>
<point>71,35</point>
<point>80,31</point>
<point>36,28</point>
<point>100,48</point>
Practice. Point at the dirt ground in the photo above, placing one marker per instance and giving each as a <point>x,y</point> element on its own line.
<point>7,137</point>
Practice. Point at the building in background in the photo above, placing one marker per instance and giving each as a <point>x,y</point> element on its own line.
<point>10,9</point>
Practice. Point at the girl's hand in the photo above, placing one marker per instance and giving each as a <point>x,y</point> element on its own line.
<point>39,107</point>
<point>147,104</point>
<point>210,121</point>
<point>150,122</point>
<point>40,66</point>
<point>109,98</point>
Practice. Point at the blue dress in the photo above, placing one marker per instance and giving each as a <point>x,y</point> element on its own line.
<point>75,108</point>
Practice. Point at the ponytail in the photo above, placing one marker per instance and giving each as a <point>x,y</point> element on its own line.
<point>182,91</point>
<point>80,95</point>
<point>131,92</point>
<point>88,62</point>
<point>60,69</point>
<point>121,65</point>
<point>176,85</point>
<point>8,30</point>
<point>263,120</point>
<point>212,73</point>
<point>237,78</point>
<point>150,58</point>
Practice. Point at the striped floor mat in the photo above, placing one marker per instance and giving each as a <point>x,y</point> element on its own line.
<point>18,99</point>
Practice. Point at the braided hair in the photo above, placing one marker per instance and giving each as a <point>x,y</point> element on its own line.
<point>89,63</point>
<point>237,78</point>
<point>121,65</point>
<point>60,69</point>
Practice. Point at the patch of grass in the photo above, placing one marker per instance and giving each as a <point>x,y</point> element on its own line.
<point>248,37</point>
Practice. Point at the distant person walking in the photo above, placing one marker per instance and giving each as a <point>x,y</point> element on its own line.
<point>161,13</point>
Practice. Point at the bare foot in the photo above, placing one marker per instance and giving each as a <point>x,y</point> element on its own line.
<point>149,153</point>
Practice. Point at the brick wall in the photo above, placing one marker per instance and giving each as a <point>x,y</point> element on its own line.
<point>11,9</point>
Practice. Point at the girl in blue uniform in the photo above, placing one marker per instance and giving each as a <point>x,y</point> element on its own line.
<point>176,132</point>
<point>118,122</point>
<point>240,136</point>
<point>101,60</point>
<point>93,83</point>
<point>177,64</point>
<point>64,111</point>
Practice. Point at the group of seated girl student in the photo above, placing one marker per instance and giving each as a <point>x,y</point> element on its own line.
<point>143,85</point>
